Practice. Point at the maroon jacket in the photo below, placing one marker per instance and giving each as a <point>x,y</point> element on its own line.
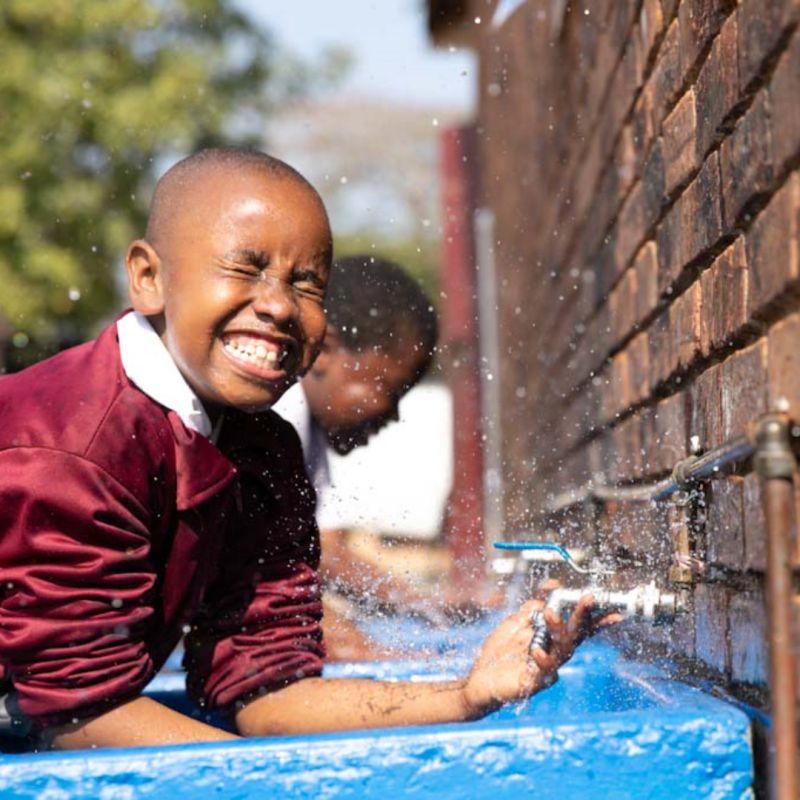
<point>120,529</point>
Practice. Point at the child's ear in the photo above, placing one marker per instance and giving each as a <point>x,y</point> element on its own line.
<point>145,278</point>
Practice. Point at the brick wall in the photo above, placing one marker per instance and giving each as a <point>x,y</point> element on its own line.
<point>641,159</point>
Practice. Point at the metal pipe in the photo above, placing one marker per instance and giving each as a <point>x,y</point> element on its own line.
<point>686,472</point>
<point>775,464</point>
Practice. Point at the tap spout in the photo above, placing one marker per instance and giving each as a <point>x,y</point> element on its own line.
<point>644,602</point>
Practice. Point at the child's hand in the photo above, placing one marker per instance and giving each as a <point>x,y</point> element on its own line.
<point>505,670</point>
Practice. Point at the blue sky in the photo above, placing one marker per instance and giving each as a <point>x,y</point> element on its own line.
<point>394,57</point>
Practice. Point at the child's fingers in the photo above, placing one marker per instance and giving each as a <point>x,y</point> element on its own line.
<point>580,619</point>
<point>526,610</point>
<point>544,588</point>
<point>545,661</point>
<point>608,619</point>
<point>529,606</point>
<point>554,622</point>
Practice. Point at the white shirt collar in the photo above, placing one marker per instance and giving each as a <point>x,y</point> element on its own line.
<point>294,408</point>
<point>149,365</point>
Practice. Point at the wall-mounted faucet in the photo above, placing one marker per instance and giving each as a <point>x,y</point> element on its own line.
<point>643,602</point>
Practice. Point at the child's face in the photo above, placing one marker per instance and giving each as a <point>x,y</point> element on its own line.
<point>353,395</point>
<point>243,283</point>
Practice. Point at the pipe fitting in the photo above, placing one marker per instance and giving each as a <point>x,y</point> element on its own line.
<point>645,602</point>
<point>773,457</point>
<point>681,472</point>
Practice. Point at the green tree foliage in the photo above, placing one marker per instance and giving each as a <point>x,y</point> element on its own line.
<point>94,97</point>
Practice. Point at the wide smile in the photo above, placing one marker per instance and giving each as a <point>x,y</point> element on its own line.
<point>258,356</point>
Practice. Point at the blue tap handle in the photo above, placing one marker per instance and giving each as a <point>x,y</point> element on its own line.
<point>551,546</point>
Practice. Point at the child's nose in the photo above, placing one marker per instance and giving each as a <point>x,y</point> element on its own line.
<point>275,298</point>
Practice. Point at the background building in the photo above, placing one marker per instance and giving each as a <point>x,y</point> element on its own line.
<point>638,168</point>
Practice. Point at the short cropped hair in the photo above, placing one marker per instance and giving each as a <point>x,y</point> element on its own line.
<point>180,180</point>
<point>373,302</point>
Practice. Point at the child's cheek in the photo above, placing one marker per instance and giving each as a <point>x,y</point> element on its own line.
<point>314,327</point>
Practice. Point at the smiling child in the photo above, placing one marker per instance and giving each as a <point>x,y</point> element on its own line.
<point>146,492</point>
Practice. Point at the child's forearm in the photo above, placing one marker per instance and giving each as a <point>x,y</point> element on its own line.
<point>315,705</point>
<point>139,722</point>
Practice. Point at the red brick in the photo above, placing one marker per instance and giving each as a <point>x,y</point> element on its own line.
<point>772,245</point>
<point>706,408</point>
<point>625,160</point>
<point>605,60</point>
<point>597,457</point>
<point>725,523</point>
<point>630,226</point>
<point>605,264</point>
<point>669,421</point>
<point>628,448</point>
<point>639,367</point>
<point>784,365</point>
<point>680,155</point>
<point>682,637</point>
<point>733,292</point>
<point>701,217</point>
<point>762,25</point>
<point>724,288</point>
<point>755,542</point>
<point>699,22</point>
<point>584,185</point>
<point>796,631</point>
<point>709,315</point>
<point>622,306</point>
<point>620,19</point>
<point>665,81</point>
<point>746,161</point>
<point>601,334</point>
<point>642,128</point>
<point>653,181</point>
<point>785,91</point>
<point>627,79</point>
<point>669,7</point>
<point>692,225</point>
<point>661,350</point>
<point>795,534</point>
<point>717,88</point>
<point>617,390</point>
<point>645,268</point>
<point>648,437</point>
<point>748,631</point>
<point>744,389</point>
<point>711,620</point>
<point>651,26</point>
<point>685,319</point>
<point>669,248</point>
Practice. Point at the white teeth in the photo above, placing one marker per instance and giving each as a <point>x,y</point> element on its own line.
<point>255,353</point>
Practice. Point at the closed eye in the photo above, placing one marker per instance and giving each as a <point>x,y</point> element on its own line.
<point>245,261</point>
<point>308,282</point>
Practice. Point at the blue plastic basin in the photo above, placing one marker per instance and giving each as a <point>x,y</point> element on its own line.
<point>610,728</point>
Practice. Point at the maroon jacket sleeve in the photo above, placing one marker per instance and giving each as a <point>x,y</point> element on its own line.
<point>75,577</point>
<point>260,629</point>
<point>268,641</point>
